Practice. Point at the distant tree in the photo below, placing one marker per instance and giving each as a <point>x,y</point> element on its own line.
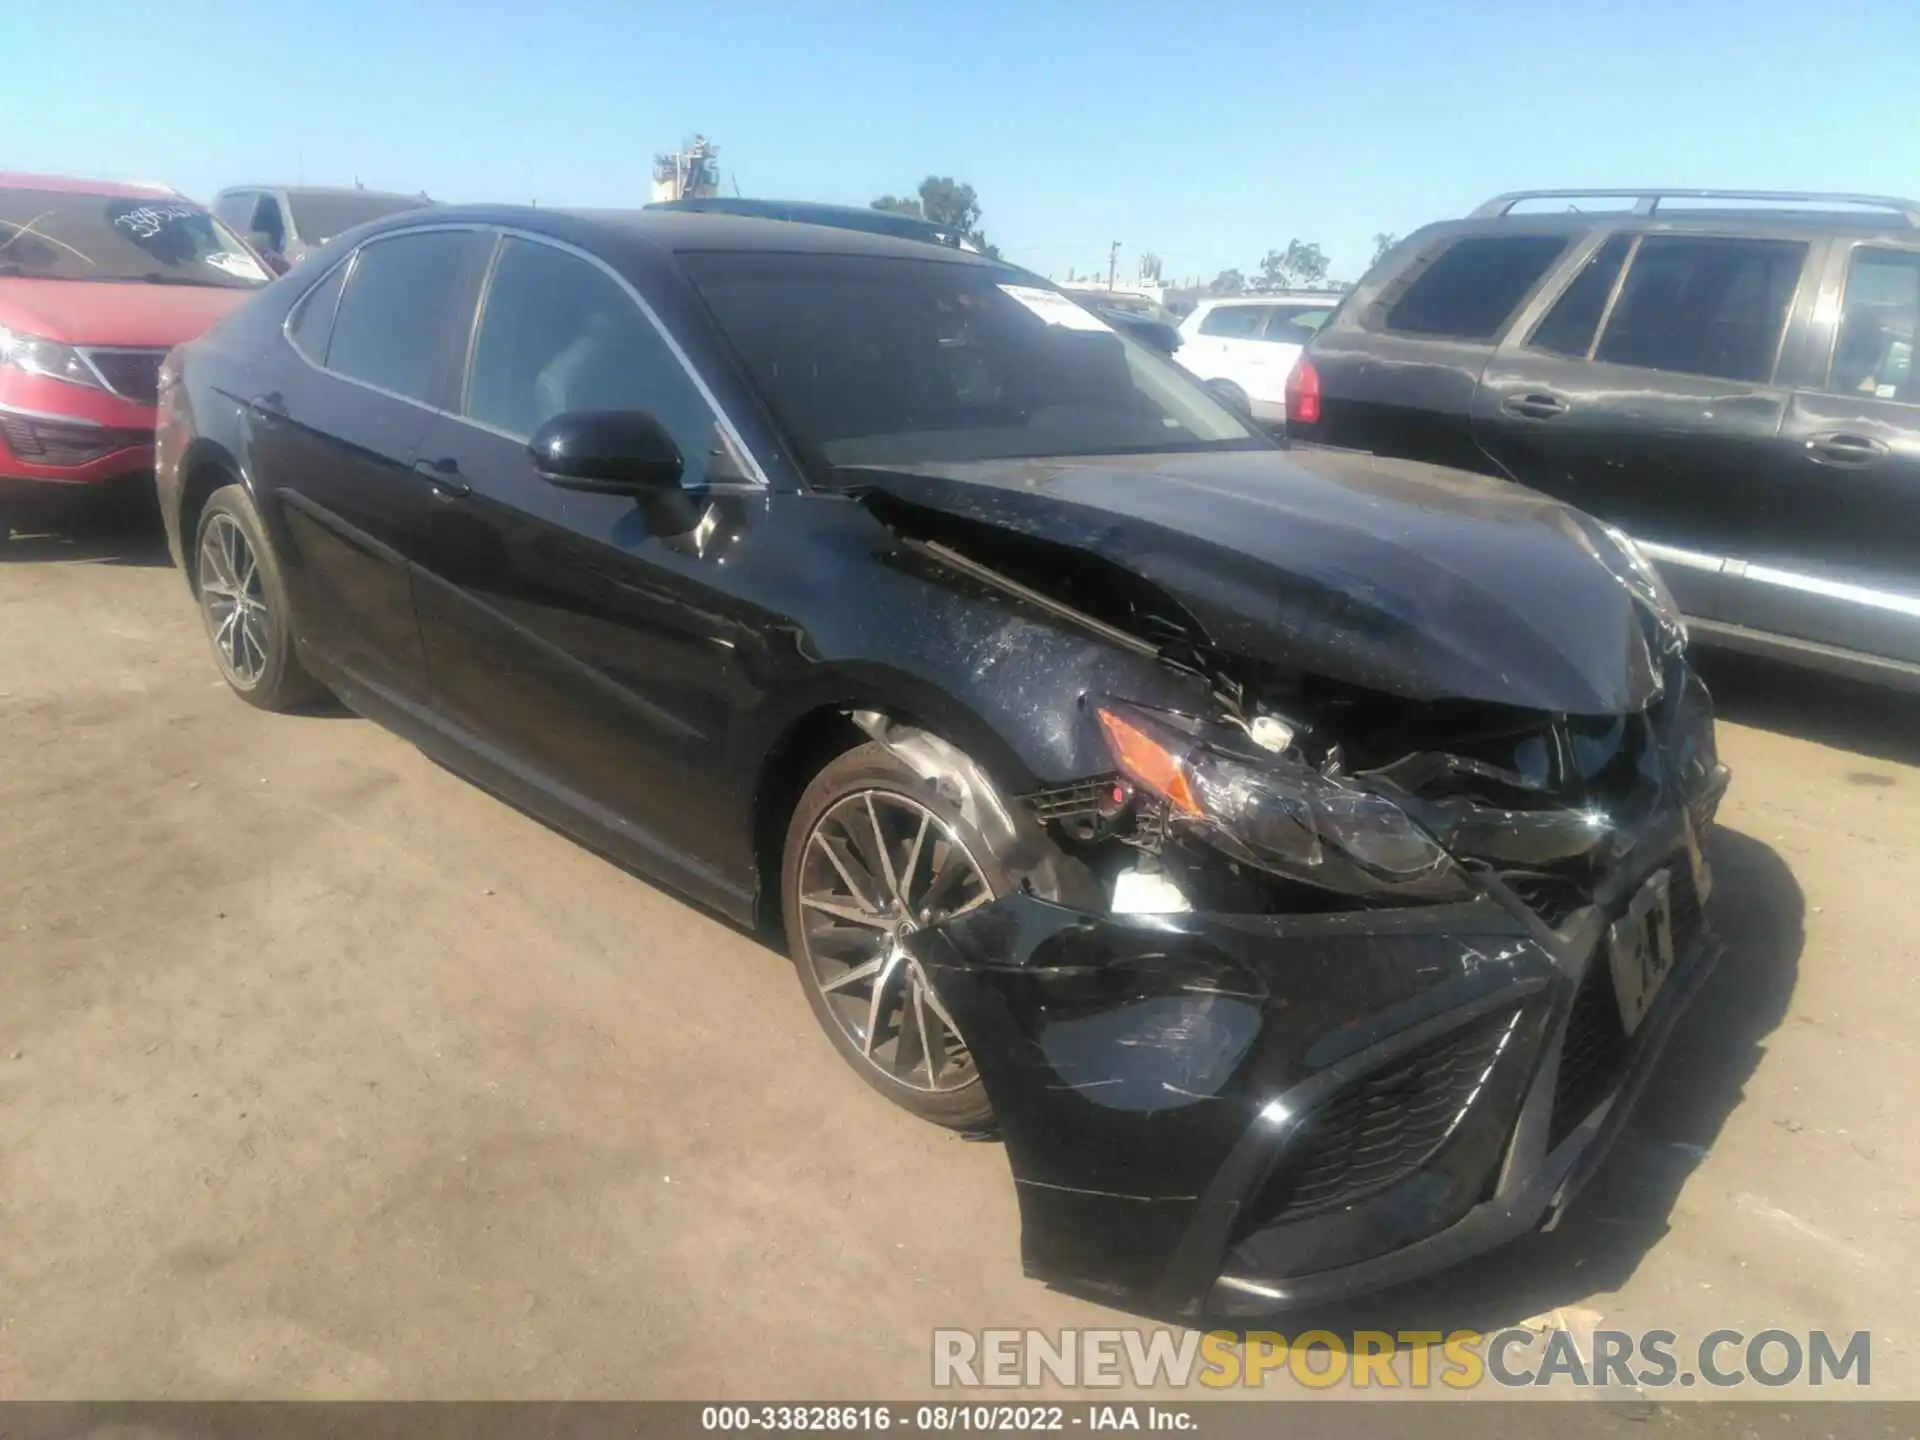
<point>947,203</point>
<point>1383,241</point>
<point>1301,266</point>
<point>1228,282</point>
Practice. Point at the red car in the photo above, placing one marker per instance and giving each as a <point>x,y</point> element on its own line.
<point>98,281</point>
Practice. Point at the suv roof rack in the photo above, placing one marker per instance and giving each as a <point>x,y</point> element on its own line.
<point>1647,202</point>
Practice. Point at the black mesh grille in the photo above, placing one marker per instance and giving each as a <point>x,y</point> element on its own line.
<point>132,373</point>
<point>1553,898</point>
<point>1382,1128</point>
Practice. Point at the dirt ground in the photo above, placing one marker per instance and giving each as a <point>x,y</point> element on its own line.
<point>323,1073</point>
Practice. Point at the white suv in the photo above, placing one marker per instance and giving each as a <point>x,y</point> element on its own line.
<point>1251,342</point>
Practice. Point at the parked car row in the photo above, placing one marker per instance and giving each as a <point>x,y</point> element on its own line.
<point>98,281</point>
<point>1295,856</point>
<point>1727,376</point>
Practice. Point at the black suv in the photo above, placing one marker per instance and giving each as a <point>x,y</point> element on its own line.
<point>1725,375</point>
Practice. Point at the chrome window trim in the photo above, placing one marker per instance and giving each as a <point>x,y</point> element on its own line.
<point>758,480</point>
<point>1674,555</point>
<point>286,322</point>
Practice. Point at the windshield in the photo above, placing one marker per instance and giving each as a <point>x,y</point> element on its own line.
<point>320,215</point>
<point>59,235</point>
<point>896,362</point>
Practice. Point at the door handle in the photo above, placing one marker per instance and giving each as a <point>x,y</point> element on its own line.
<point>1535,406</point>
<point>444,476</point>
<point>1852,452</point>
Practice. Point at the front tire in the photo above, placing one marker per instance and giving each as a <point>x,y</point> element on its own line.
<point>244,605</point>
<point>873,853</point>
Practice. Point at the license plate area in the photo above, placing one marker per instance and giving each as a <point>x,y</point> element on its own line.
<point>1640,949</point>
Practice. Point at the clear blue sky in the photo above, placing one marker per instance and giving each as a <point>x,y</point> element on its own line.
<point>1205,132</point>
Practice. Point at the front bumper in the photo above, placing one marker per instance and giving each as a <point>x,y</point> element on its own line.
<point>1230,1114</point>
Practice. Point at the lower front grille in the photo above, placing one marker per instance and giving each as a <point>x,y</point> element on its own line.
<point>1593,1056</point>
<point>132,373</point>
<point>63,443</point>
<point>1385,1126</point>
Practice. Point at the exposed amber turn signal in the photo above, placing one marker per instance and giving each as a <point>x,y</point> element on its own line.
<point>1148,762</point>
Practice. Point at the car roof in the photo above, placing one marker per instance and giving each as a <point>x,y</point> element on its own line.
<point>1279,297</point>
<point>688,231</point>
<point>1794,223</point>
<point>74,185</point>
<point>320,190</point>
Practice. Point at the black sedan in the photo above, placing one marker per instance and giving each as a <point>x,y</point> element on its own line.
<point>1295,857</point>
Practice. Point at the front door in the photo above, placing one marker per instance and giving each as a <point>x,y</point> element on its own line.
<point>590,662</point>
<point>1835,554</point>
<point>1645,395</point>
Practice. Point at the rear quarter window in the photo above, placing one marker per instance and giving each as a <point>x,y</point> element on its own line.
<point>1470,289</point>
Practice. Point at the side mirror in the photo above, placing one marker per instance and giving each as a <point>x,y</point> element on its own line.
<point>617,452</point>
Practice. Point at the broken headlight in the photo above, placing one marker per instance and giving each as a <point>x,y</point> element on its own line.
<point>1277,812</point>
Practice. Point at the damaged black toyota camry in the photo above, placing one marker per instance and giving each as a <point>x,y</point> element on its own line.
<point>1294,856</point>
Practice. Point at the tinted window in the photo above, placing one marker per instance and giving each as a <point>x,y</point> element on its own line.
<point>1295,324</point>
<point>312,318</point>
<point>60,235</point>
<point>404,304</point>
<point>900,362</point>
<point>321,214</point>
<point>1873,349</point>
<point>235,209</point>
<point>1704,306</point>
<point>266,223</point>
<point>1569,326</point>
<point>560,334</point>
<point>1473,286</point>
<point>1234,322</point>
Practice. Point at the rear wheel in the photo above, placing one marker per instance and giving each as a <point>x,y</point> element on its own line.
<point>243,602</point>
<point>874,854</point>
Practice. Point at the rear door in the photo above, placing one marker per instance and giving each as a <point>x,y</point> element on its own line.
<point>1645,394</point>
<point>1223,344</point>
<point>381,337</point>
<point>1835,552</point>
<point>1400,380</point>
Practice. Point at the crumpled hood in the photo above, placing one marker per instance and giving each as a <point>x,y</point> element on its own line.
<point>1400,577</point>
<point>79,312</point>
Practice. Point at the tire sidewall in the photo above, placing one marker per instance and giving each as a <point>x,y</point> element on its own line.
<point>282,685</point>
<point>872,767</point>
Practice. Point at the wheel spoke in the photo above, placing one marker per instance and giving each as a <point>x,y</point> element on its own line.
<point>951,865</point>
<point>853,976</point>
<point>886,860</point>
<point>847,913</point>
<point>931,1050</point>
<point>889,967</point>
<point>913,861</point>
<point>854,887</point>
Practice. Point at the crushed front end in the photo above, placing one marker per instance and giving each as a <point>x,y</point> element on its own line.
<point>1378,982</point>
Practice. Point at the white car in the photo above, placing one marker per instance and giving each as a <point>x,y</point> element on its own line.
<point>1251,343</point>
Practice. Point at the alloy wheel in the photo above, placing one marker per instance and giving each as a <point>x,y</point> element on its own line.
<point>877,868</point>
<point>233,602</point>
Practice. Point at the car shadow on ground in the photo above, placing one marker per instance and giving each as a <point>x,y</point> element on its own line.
<point>1758,910</point>
<point>1867,719</point>
<point>119,538</point>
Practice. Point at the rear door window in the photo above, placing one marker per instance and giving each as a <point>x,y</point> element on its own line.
<point>406,311</point>
<point>312,319</point>
<point>1234,322</point>
<point>1569,327</point>
<point>1704,305</point>
<point>1294,324</point>
<point>1873,349</point>
<point>1470,289</point>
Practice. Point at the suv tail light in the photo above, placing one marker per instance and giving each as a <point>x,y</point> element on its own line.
<point>1303,394</point>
